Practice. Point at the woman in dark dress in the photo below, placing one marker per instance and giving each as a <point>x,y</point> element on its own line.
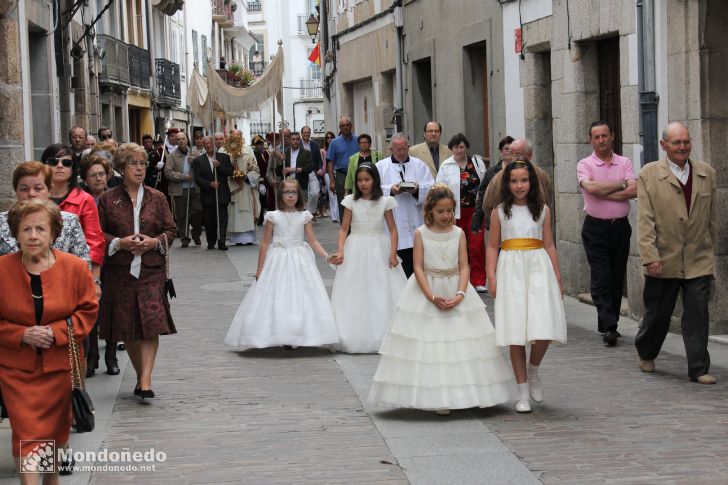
<point>138,226</point>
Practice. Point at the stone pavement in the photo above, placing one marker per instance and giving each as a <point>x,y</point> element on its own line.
<point>276,416</point>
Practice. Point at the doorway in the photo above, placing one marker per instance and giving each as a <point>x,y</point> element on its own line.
<point>609,88</point>
<point>475,101</point>
<point>363,108</point>
<point>422,95</point>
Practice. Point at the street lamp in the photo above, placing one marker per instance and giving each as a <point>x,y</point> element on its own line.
<point>312,25</point>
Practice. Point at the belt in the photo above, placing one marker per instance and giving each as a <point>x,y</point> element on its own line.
<point>521,244</point>
<point>442,273</point>
<point>618,220</point>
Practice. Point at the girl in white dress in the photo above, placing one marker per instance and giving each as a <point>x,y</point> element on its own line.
<point>288,303</point>
<point>527,282</point>
<point>369,270</point>
<point>440,352</point>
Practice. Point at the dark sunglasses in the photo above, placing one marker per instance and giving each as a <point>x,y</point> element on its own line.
<point>104,137</point>
<point>52,162</point>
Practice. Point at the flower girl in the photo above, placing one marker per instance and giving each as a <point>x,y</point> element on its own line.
<point>440,352</point>
<point>527,282</point>
<point>370,279</point>
<point>288,304</point>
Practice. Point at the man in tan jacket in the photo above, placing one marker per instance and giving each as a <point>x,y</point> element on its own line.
<point>677,223</point>
<point>432,152</point>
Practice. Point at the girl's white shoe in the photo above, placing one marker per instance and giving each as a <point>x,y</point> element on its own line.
<point>523,406</point>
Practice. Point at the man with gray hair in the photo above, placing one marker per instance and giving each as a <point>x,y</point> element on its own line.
<point>407,179</point>
<point>677,221</point>
<point>521,149</point>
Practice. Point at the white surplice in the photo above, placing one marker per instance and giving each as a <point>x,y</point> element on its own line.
<point>408,213</point>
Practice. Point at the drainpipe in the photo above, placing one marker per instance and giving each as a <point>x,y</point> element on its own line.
<point>399,84</point>
<point>649,98</point>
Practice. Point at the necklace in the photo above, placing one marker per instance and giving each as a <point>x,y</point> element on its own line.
<point>444,253</point>
<point>289,216</point>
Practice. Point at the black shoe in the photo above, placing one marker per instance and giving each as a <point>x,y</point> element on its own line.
<point>185,244</point>
<point>238,244</point>
<point>146,393</point>
<point>113,370</point>
<point>210,247</point>
<point>610,338</point>
<point>121,347</point>
<point>90,372</point>
<point>137,391</point>
<point>197,240</point>
<point>65,468</point>
<point>222,247</point>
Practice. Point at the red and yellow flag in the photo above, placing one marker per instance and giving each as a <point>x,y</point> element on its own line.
<point>315,55</point>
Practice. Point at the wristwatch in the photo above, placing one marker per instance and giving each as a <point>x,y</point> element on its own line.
<point>624,184</point>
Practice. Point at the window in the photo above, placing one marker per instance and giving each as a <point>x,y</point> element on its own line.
<point>195,51</point>
<point>203,60</point>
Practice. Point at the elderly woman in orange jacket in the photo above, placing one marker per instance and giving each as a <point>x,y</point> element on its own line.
<point>41,287</point>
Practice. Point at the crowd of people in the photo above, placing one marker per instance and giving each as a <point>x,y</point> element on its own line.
<point>422,231</point>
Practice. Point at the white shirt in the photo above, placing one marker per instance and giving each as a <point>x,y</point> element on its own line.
<point>682,174</point>
<point>408,213</point>
<point>212,167</point>
<point>294,156</point>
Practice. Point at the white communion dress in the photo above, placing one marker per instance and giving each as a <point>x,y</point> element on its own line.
<point>528,303</point>
<point>288,305</point>
<point>365,287</point>
<point>441,359</point>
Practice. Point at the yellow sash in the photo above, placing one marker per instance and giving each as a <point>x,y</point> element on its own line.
<point>521,244</point>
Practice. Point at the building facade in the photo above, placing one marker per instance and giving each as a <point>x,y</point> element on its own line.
<point>638,65</point>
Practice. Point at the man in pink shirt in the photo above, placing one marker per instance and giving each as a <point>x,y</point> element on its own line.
<point>607,182</point>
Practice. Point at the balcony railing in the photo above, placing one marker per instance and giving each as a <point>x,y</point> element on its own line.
<point>302,23</point>
<point>310,88</point>
<point>260,128</point>
<point>139,67</point>
<point>230,78</point>
<point>257,67</point>
<point>168,83</point>
<point>255,6</point>
<point>114,61</point>
<point>222,13</point>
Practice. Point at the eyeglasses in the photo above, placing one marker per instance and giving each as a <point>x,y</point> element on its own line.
<point>134,163</point>
<point>677,143</point>
<point>104,137</point>
<point>290,192</point>
<point>52,162</point>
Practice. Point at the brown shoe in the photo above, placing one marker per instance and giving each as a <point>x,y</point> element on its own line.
<point>647,365</point>
<point>705,379</point>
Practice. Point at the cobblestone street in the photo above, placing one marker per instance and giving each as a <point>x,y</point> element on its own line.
<point>277,416</point>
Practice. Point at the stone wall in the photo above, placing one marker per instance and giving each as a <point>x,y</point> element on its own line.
<point>448,33</point>
<point>11,99</point>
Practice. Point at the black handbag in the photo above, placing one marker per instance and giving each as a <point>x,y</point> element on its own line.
<point>3,410</point>
<point>168,283</point>
<point>83,409</point>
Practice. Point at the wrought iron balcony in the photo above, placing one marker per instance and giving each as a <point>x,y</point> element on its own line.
<point>257,67</point>
<point>114,61</point>
<point>260,128</point>
<point>310,88</point>
<point>302,23</point>
<point>167,83</point>
<point>230,78</point>
<point>255,6</point>
<point>222,13</point>
<point>139,67</point>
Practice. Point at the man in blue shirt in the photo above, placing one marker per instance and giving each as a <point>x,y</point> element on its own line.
<point>337,158</point>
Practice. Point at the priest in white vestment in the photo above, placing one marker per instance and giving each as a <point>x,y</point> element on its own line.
<point>244,207</point>
<point>407,179</point>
